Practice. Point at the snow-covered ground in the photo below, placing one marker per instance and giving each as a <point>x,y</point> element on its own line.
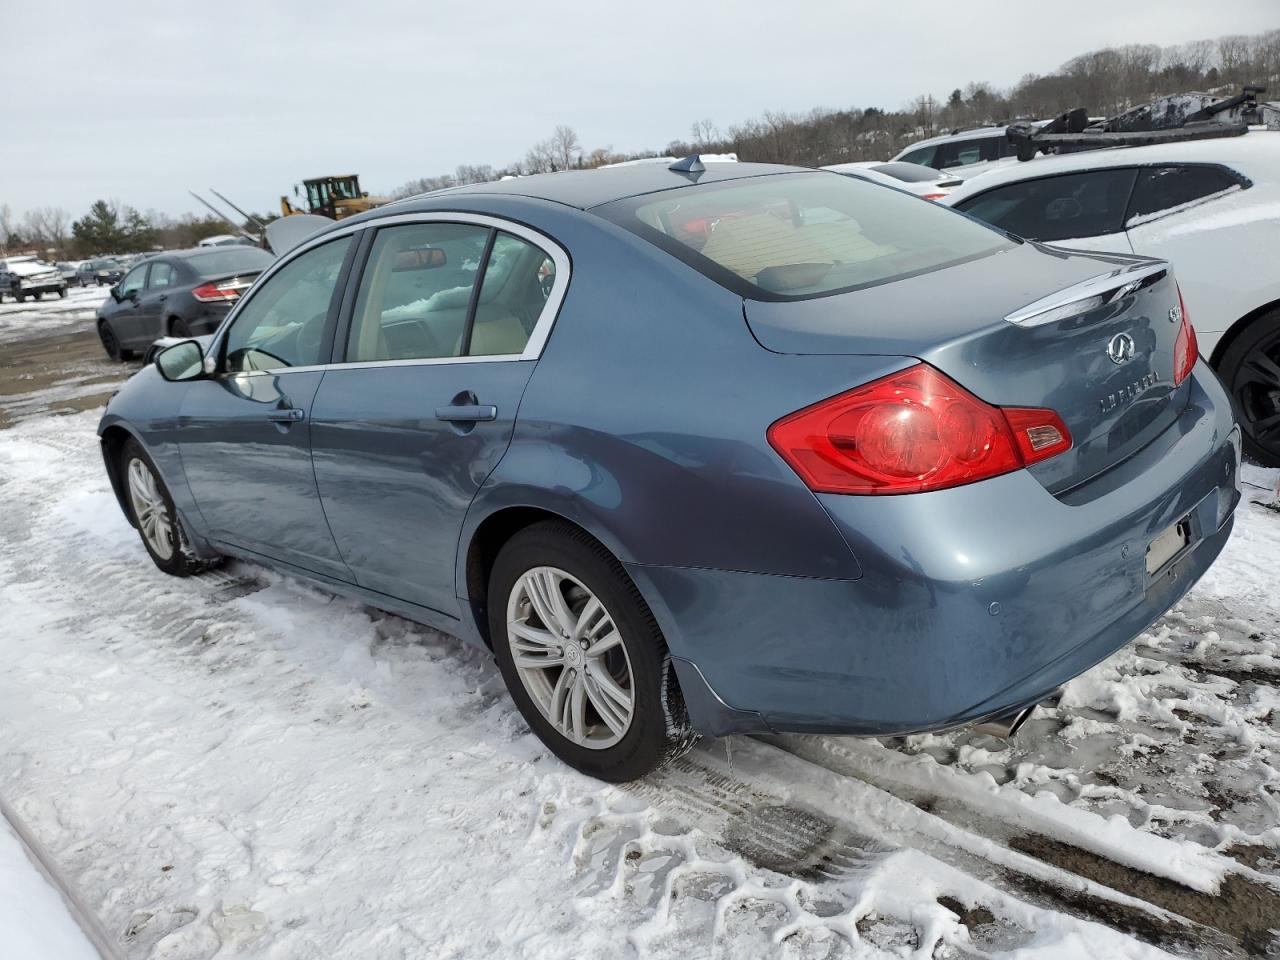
<point>243,765</point>
<point>50,314</point>
<point>35,922</point>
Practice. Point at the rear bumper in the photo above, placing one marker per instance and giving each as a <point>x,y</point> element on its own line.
<point>973,601</point>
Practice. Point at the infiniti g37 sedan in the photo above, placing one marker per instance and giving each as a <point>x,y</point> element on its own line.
<point>697,451</point>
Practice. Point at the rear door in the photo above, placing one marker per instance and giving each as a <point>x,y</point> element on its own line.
<point>150,315</point>
<point>1084,211</point>
<point>442,338</point>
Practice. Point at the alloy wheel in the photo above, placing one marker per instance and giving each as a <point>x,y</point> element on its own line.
<point>150,509</point>
<point>1256,389</point>
<point>571,657</point>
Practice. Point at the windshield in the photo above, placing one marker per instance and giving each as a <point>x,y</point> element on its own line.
<point>105,265</point>
<point>794,236</point>
<point>230,260</point>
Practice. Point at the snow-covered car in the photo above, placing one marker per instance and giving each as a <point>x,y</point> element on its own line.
<point>27,277</point>
<point>1211,207</point>
<point>68,270</point>
<point>912,177</point>
<point>41,917</point>
<point>962,151</point>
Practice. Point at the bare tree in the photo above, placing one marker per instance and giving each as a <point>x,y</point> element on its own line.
<point>6,226</point>
<point>565,147</point>
<point>704,134</point>
<point>47,227</point>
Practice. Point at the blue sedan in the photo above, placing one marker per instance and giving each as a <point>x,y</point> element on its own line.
<point>703,449</point>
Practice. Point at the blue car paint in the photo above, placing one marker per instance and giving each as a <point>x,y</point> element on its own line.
<point>644,423</point>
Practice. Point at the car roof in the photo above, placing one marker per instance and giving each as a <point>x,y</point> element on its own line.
<point>1246,152</point>
<point>585,189</point>
<point>974,133</point>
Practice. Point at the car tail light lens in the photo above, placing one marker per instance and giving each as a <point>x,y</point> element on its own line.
<point>932,196</point>
<point>909,432</point>
<point>1185,349</point>
<point>217,292</point>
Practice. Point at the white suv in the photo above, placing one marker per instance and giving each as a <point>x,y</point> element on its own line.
<point>1211,207</point>
<point>963,152</point>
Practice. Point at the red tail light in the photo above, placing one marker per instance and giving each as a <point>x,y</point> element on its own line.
<point>218,292</point>
<point>1185,349</point>
<point>912,431</point>
<point>932,196</point>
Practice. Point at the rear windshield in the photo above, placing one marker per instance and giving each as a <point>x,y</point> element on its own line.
<point>230,261</point>
<point>796,236</point>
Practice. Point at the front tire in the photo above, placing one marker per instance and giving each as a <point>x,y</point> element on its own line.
<point>153,514</point>
<point>1250,369</point>
<point>582,656</point>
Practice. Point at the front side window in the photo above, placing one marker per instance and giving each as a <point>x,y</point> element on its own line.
<point>1165,188</point>
<point>282,324</point>
<point>793,236</point>
<point>1076,205</point>
<point>133,281</point>
<point>161,276</point>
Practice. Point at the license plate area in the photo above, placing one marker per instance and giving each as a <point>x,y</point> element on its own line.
<point>1168,545</point>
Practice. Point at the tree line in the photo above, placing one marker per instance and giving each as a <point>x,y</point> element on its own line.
<point>107,228</point>
<point>1105,82</point>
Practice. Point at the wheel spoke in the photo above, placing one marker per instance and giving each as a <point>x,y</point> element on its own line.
<point>1259,368</point>
<point>604,644</point>
<point>533,589</point>
<point>564,618</point>
<point>591,621</point>
<point>578,706</point>
<point>609,712</point>
<point>559,699</point>
<point>1266,426</point>
<point>531,661</point>
<point>610,688</point>
<point>533,637</point>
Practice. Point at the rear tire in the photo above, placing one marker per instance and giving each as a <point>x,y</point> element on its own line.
<point>1250,370</point>
<point>563,689</point>
<point>154,516</point>
<point>62,292</point>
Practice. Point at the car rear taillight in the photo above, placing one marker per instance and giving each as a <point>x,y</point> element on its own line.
<point>218,292</point>
<point>1185,349</point>
<point>932,196</point>
<point>912,431</point>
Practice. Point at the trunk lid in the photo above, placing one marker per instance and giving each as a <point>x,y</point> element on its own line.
<point>1089,336</point>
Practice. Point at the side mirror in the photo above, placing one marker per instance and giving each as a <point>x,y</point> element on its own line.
<point>115,292</point>
<point>182,361</point>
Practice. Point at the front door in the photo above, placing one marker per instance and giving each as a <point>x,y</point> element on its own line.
<point>408,427</point>
<point>245,434</point>
<point>125,314</point>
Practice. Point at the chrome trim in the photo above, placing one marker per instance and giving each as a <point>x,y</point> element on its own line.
<point>1104,288</point>
<point>537,338</point>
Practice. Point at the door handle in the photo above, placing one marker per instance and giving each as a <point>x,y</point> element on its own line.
<point>467,412</point>
<point>287,415</point>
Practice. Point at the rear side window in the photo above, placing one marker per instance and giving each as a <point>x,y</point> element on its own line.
<point>960,153</point>
<point>1161,189</point>
<point>1075,205</point>
<point>795,236</point>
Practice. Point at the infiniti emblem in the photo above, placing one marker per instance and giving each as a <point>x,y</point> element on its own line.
<point>1120,349</point>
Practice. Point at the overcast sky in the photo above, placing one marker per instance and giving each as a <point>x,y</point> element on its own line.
<point>141,102</point>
